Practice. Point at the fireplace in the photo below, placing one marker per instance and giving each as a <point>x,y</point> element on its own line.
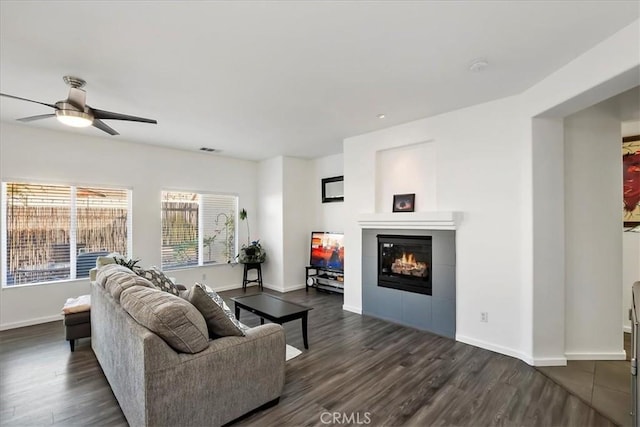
<point>404,263</point>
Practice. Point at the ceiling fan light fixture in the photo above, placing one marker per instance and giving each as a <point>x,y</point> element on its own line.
<point>76,119</point>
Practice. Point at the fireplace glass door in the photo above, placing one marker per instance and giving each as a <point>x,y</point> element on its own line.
<point>404,263</point>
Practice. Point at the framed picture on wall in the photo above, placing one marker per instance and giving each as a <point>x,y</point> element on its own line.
<point>333,189</point>
<point>631,180</point>
<point>404,202</point>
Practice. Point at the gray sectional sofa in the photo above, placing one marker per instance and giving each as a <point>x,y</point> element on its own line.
<point>156,385</point>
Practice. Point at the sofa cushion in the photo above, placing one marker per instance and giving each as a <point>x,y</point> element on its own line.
<point>173,319</point>
<point>118,282</point>
<point>219,322</point>
<point>107,270</point>
<point>159,280</point>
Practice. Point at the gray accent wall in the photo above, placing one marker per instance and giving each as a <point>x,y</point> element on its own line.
<point>434,313</point>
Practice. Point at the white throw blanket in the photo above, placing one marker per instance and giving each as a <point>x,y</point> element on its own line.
<point>77,305</point>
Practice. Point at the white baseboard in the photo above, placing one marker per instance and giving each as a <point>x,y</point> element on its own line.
<point>550,361</point>
<point>283,289</point>
<point>272,287</point>
<point>295,287</point>
<point>226,288</point>
<point>497,348</point>
<point>352,309</point>
<point>614,355</point>
<point>30,322</point>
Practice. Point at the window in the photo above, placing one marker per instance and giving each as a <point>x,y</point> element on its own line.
<point>198,229</point>
<point>56,232</point>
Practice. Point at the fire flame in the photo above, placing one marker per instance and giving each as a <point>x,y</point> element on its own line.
<point>408,259</point>
<point>408,265</point>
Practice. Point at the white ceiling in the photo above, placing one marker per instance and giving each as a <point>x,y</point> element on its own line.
<point>261,79</point>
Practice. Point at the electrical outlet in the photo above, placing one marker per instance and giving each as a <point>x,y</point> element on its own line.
<point>484,316</point>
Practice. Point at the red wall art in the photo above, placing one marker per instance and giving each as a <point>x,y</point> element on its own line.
<point>631,180</point>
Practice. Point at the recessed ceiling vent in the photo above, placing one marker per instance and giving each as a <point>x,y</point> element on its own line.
<point>208,150</point>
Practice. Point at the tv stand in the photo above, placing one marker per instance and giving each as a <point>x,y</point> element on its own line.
<point>324,279</point>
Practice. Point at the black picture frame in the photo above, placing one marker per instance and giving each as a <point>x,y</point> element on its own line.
<point>404,202</point>
<point>333,189</point>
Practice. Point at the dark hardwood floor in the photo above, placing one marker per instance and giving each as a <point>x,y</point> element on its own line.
<point>358,371</point>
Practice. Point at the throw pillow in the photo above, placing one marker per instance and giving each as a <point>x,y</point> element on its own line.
<point>173,319</point>
<point>213,294</point>
<point>220,323</point>
<point>218,299</point>
<point>159,280</point>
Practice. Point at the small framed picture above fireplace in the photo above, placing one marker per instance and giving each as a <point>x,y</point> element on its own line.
<point>404,202</point>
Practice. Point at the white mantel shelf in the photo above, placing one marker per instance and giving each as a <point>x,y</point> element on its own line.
<point>411,220</point>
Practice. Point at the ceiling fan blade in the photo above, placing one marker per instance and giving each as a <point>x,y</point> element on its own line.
<point>32,118</point>
<point>29,100</point>
<point>109,115</point>
<point>103,127</point>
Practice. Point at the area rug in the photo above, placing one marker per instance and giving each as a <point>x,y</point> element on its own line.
<point>292,352</point>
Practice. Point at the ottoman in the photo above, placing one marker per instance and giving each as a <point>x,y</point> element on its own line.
<point>77,325</point>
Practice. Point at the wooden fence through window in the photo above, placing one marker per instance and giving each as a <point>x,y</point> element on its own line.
<point>179,233</point>
<point>38,235</point>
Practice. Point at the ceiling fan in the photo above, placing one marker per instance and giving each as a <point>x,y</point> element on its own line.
<point>73,111</point>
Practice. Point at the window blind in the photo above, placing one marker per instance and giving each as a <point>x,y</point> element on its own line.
<point>55,232</point>
<point>179,229</point>
<point>197,229</point>
<point>219,217</point>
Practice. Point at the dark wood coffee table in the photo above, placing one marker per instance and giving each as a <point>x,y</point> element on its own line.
<point>274,309</point>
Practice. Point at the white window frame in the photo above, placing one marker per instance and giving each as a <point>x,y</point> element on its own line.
<point>201,262</point>
<point>73,225</point>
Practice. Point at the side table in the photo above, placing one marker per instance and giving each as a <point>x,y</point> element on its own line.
<point>252,266</point>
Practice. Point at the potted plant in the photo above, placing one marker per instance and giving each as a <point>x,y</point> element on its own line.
<point>252,252</point>
<point>130,264</point>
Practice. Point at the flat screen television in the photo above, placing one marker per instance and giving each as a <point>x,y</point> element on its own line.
<point>327,250</point>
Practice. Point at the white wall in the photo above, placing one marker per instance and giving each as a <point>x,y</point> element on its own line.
<point>630,128</point>
<point>286,218</point>
<point>609,68</point>
<point>29,153</point>
<point>593,247</point>
<point>271,219</point>
<point>486,169</point>
<point>328,216</point>
<point>298,220</point>
<point>478,172</point>
<point>407,170</point>
<point>548,250</point>
<point>630,273</point>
